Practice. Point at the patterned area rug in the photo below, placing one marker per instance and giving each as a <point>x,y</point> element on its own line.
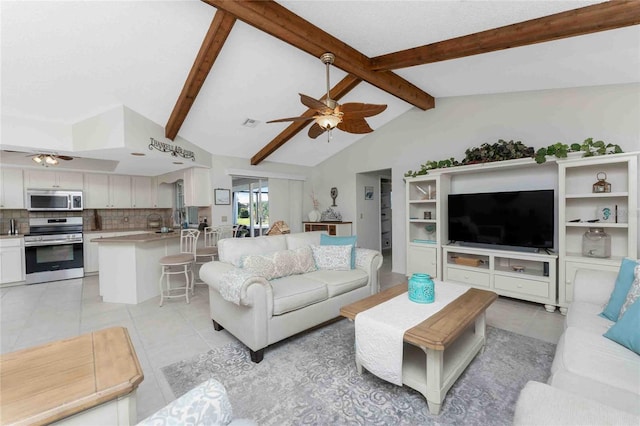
<point>312,379</point>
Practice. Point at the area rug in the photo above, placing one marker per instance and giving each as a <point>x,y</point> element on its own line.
<point>312,379</point>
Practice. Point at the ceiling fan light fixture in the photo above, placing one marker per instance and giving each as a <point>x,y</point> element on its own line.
<point>38,158</point>
<point>328,122</point>
<point>51,160</point>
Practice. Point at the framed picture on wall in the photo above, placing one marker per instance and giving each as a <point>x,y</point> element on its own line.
<point>222,196</point>
<point>368,192</point>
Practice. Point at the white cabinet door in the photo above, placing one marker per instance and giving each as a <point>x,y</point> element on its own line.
<point>69,180</point>
<point>96,191</point>
<point>142,192</point>
<point>120,191</point>
<point>197,187</point>
<point>11,260</point>
<point>164,195</point>
<point>11,189</point>
<point>422,260</point>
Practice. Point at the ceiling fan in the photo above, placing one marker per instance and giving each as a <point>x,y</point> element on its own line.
<point>349,117</point>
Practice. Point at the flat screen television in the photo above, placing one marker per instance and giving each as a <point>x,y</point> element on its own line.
<point>515,219</point>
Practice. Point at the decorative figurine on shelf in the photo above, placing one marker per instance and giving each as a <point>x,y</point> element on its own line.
<point>334,195</point>
<point>330,215</point>
<point>601,185</point>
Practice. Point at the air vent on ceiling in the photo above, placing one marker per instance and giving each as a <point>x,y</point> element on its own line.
<point>250,122</point>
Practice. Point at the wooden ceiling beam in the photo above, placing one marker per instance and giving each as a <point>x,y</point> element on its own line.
<point>586,20</point>
<point>211,46</point>
<point>272,18</point>
<point>338,91</point>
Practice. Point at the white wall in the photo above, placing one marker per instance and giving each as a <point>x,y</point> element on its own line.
<point>367,225</point>
<point>538,119</point>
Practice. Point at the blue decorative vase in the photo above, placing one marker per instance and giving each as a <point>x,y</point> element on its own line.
<point>421,288</point>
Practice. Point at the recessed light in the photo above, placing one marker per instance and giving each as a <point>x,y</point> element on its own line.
<point>178,162</point>
<point>138,154</point>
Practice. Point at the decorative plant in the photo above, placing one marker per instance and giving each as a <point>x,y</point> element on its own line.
<point>589,147</point>
<point>314,200</point>
<point>502,150</point>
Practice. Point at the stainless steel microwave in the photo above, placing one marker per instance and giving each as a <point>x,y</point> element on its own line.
<point>39,200</point>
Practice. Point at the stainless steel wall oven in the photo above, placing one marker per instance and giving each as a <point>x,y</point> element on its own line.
<point>54,249</point>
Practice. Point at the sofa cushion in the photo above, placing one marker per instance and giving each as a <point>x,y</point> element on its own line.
<point>328,240</point>
<point>621,289</point>
<point>340,282</point>
<point>337,258</point>
<point>584,315</point>
<point>295,292</point>
<point>281,263</point>
<point>303,239</point>
<point>231,250</point>
<point>598,359</point>
<point>627,330</point>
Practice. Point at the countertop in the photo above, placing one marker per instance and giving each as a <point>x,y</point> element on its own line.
<point>145,237</point>
<point>4,236</point>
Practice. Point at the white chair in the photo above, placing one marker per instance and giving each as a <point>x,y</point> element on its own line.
<point>226,231</point>
<point>181,263</point>
<point>209,251</point>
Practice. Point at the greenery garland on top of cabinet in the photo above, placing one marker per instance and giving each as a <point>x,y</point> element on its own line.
<point>503,150</point>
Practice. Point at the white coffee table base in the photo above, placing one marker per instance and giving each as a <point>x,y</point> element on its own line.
<point>432,372</point>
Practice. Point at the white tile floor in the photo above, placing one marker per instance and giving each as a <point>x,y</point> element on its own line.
<point>40,313</point>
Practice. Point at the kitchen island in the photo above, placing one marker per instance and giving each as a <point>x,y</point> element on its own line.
<point>129,268</point>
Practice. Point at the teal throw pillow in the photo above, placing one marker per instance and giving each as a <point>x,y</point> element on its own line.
<point>328,240</point>
<point>622,286</point>
<point>625,331</point>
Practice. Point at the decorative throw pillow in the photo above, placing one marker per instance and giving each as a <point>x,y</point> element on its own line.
<point>281,263</point>
<point>621,289</point>
<point>337,258</point>
<point>328,240</point>
<point>634,292</point>
<point>625,331</point>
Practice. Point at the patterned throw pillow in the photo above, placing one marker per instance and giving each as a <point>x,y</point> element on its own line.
<point>336,258</point>
<point>281,263</point>
<point>634,292</point>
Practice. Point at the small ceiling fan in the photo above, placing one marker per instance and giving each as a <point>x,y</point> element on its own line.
<point>349,117</point>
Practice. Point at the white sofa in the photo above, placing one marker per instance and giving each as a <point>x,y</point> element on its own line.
<point>270,311</point>
<point>588,369</point>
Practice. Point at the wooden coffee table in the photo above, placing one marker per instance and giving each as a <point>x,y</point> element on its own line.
<point>447,341</point>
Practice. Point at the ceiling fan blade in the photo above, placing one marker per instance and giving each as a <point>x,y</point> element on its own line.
<point>312,103</point>
<point>354,125</point>
<point>360,110</point>
<point>291,119</point>
<point>64,157</point>
<point>315,131</point>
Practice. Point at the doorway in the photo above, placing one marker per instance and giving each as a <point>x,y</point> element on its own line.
<point>250,206</point>
<point>374,226</point>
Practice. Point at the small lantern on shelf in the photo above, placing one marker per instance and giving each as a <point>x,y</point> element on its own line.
<point>601,185</point>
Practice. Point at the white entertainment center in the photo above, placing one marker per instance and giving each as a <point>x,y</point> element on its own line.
<point>542,277</point>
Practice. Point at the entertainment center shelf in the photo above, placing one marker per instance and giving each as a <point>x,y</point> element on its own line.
<point>526,276</point>
<point>544,278</point>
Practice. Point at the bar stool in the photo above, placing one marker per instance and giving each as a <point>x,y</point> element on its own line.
<point>209,251</point>
<point>181,263</point>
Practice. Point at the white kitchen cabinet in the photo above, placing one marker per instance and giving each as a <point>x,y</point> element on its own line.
<point>90,250</point>
<point>162,195</point>
<point>142,192</point>
<point>49,179</point>
<point>422,260</point>
<point>104,191</point>
<point>11,260</point>
<point>11,189</point>
<point>197,187</point>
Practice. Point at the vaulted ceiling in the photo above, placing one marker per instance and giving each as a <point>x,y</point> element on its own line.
<point>63,61</point>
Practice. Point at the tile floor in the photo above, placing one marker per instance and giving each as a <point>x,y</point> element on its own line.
<point>40,313</point>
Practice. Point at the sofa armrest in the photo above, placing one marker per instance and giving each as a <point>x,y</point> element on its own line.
<point>541,404</point>
<point>370,261</point>
<point>593,286</point>
<point>211,273</point>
